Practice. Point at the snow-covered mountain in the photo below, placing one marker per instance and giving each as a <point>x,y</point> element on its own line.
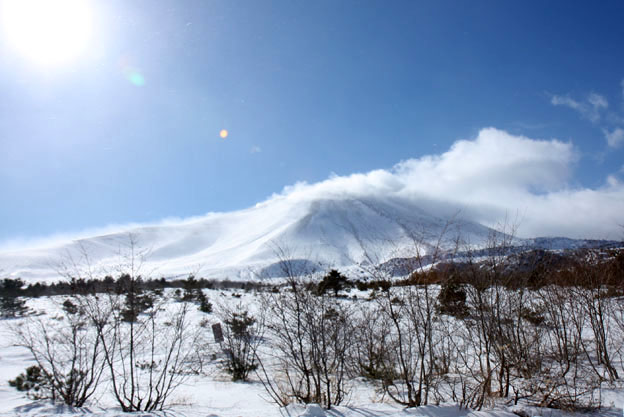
<point>335,232</point>
<point>331,232</point>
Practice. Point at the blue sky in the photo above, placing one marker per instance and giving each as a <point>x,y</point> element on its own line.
<point>129,130</point>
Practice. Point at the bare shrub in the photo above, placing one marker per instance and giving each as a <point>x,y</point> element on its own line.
<point>68,353</point>
<point>147,346</point>
<point>310,336</point>
<point>415,357</point>
<point>373,344</point>
<point>592,295</point>
<point>149,357</point>
<point>410,361</point>
<point>564,379</point>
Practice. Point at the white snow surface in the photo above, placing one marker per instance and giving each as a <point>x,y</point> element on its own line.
<point>213,394</point>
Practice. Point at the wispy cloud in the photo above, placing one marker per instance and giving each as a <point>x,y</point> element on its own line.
<point>597,101</point>
<point>590,108</point>
<point>615,138</point>
<point>530,126</point>
<point>594,108</point>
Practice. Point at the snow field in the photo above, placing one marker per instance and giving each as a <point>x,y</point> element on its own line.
<point>211,393</point>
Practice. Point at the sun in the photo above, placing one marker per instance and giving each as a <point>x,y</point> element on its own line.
<point>46,32</point>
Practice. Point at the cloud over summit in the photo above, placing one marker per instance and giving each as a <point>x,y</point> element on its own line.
<point>488,178</point>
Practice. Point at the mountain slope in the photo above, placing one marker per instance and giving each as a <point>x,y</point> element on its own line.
<point>335,232</point>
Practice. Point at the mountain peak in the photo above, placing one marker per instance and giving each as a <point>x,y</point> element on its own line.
<point>330,231</point>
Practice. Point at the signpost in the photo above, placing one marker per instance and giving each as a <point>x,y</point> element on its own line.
<point>217,332</point>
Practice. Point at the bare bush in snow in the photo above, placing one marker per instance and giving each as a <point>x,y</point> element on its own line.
<point>68,353</point>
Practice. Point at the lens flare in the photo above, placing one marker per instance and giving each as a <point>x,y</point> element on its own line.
<point>136,79</point>
<point>131,73</point>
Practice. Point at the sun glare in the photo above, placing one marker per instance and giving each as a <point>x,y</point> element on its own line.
<point>48,33</point>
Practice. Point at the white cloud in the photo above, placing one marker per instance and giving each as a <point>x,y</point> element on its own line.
<point>615,138</point>
<point>487,178</point>
<point>593,108</point>
<point>597,101</point>
<point>565,101</point>
<point>612,181</point>
<point>471,169</point>
<point>589,108</point>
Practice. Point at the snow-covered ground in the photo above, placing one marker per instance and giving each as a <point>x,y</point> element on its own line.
<point>213,394</point>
